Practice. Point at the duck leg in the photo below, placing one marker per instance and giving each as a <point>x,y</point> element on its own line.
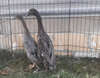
<point>46,66</point>
<point>31,66</point>
<point>34,64</point>
<point>37,68</point>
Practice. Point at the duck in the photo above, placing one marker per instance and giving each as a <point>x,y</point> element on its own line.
<point>29,43</point>
<point>45,46</point>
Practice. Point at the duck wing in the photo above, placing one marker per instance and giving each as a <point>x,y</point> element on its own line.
<point>46,47</point>
<point>31,46</point>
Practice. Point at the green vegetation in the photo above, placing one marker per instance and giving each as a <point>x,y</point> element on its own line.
<point>66,67</point>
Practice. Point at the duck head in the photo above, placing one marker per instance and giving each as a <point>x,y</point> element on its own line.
<point>18,16</point>
<point>32,12</point>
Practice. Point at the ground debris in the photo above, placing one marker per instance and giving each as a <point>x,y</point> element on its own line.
<point>3,72</point>
<point>7,70</point>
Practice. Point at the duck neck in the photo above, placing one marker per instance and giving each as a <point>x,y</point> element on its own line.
<point>26,31</point>
<point>40,26</point>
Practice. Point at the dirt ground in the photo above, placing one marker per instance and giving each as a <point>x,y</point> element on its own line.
<point>67,67</point>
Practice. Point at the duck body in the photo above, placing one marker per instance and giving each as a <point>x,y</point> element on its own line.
<point>29,43</point>
<point>31,48</point>
<point>45,47</point>
<point>46,50</point>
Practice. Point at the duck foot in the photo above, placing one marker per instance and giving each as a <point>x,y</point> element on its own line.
<point>36,70</point>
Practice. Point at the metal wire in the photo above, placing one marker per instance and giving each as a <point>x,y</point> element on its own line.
<point>71,24</point>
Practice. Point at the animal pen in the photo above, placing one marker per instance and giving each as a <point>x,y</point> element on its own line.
<point>73,25</point>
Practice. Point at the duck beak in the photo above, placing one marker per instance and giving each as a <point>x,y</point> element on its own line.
<point>27,15</point>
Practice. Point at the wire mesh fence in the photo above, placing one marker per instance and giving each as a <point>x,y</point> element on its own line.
<point>73,25</point>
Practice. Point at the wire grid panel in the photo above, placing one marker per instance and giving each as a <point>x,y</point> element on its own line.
<point>5,26</point>
<point>73,25</point>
